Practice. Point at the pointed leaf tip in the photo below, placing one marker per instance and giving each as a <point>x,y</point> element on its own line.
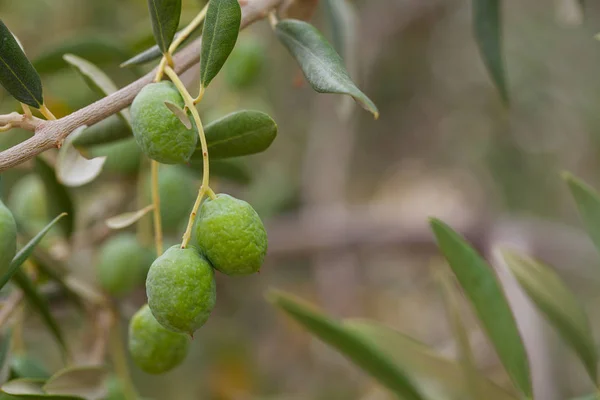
<point>165,15</point>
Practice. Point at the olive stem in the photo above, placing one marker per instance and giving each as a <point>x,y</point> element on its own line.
<point>204,187</point>
<point>158,240</point>
<point>211,194</point>
<point>26,110</point>
<point>46,113</point>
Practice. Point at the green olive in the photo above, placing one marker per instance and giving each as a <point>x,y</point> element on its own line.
<point>152,347</point>
<point>231,235</point>
<point>123,264</point>
<point>245,63</point>
<point>181,289</point>
<point>158,132</point>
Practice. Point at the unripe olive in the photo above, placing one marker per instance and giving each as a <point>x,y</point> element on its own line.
<point>181,289</point>
<point>8,238</point>
<point>158,132</point>
<point>231,235</point>
<point>245,63</point>
<point>123,264</point>
<point>28,201</point>
<point>153,348</point>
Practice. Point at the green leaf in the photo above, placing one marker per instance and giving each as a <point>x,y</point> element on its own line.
<point>153,53</point>
<point>232,170</point>
<point>355,347</point>
<point>32,389</point>
<point>321,65</point>
<point>558,304</point>
<point>437,377</point>
<point>220,32</point>
<point>60,200</point>
<point>488,34</point>
<point>107,130</point>
<point>17,75</point>
<point>26,251</point>
<point>238,134</point>
<point>38,302</point>
<point>485,294</point>
<point>100,50</point>
<point>96,79</point>
<point>83,381</point>
<point>24,366</point>
<point>164,15</point>
<point>588,204</point>
<point>4,355</point>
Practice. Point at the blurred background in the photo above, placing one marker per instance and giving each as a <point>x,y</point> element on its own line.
<point>345,198</point>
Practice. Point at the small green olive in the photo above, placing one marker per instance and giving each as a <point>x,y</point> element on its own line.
<point>244,65</point>
<point>123,264</point>
<point>181,289</point>
<point>152,347</point>
<point>231,235</point>
<point>158,132</point>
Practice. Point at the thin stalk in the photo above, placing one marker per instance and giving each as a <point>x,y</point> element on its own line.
<point>158,239</point>
<point>46,113</point>
<point>189,102</point>
<point>26,110</point>
<point>143,227</point>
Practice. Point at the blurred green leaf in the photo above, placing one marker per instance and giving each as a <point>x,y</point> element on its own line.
<point>488,34</point>
<point>101,50</point>
<point>32,389</point>
<point>322,66</point>
<point>588,204</point>
<point>4,355</point>
<point>26,251</point>
<point>59,201</point>
<point>220,32</point>
<point>483,290</point>
<point>24,366</point>
<point>164,15</point>
<point>232,169</point>
<point>96,79</point>
<point>39,303</point>
<point>238,134</point>
<point>83,381</point>
<point>363,353</point>
<point>558,304</point>
<point>108,130</point>
<point>17,75</point>
<point>72,169</point>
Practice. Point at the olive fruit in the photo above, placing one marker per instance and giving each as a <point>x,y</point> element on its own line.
<point>28,202</point>
<point>231,235</point>
<point>181,289</point>
<point>245,63</point>
<point>122,265</point>
<point>159,133</point>
<point>8,237</point>
<point>152,347</point>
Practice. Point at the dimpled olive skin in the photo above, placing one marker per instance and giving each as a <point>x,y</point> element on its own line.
<point>158,132</point>
<point>181,289</point>
<point>122,264</point>
<point>8,237</point>
<point>153,348</point>
<point>231,235</point>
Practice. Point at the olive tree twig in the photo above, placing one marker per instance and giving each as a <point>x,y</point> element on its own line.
<point>51,134</point>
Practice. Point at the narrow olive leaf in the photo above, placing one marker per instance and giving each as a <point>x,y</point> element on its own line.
<point>31,389</point>
<point>127,219</point>
<point>179,113</point>
<point>489,302</point>
<point>154,53</point>
<point>60,201</point>
<point>100,50</point>
<point>437,377</point>
<point>39,303</point>
<point>220,32</point>
<point>82,381</point>
<point>364,354</point>
<point>588,204</point>
<point>72,169</point>
<point>322,66</point>
<point>451,299</point>
<point>4,355</point>
<point>26,251</point>
<point>558,304</point>
<point>487,26</point>
<point>25,366</point>
<point>17,75</point>
<point>96,79</point>
<point>164,15</point>
<point>108,130</point>
<point>238,134</point>
<point>234,170</point>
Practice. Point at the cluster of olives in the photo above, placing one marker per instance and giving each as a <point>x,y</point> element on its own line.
<point>180,283</point>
